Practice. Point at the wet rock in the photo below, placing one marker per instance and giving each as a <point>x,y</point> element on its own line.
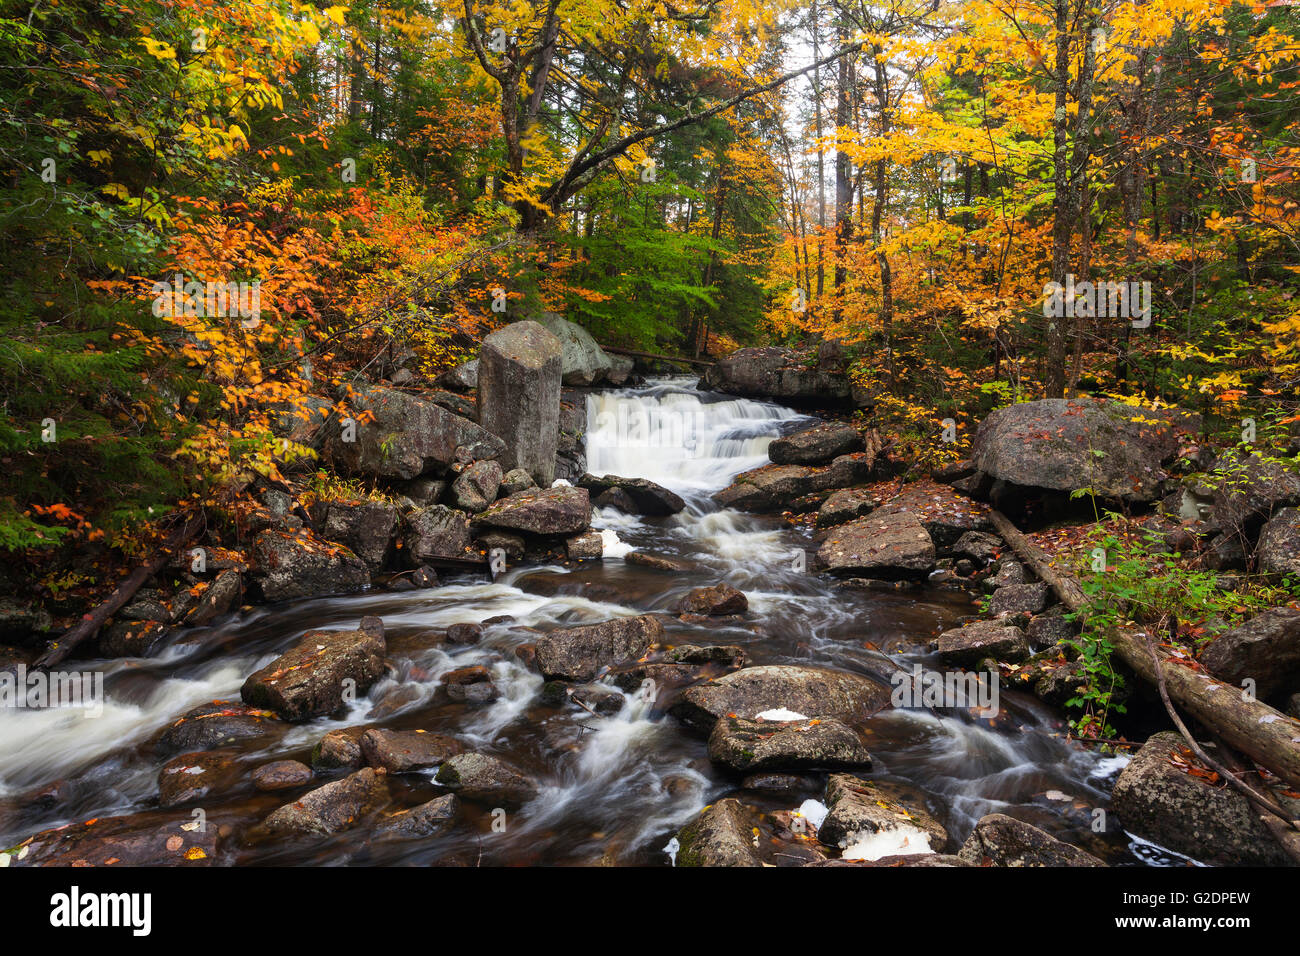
<point>1051,444</point>
<point>1278,551</point>
<point>728,655</point>
<point>475,674</point>
<point>1208,821</point>
<point>311,679</point>
<point>338,750</point>
<point>646,497</point>
<point>466,632</point>
<point>139,839</point>
<point>811,691</point>
<point>551,511</point>
<point>1018,599</point>
<point>967,646</point>
<point>515,481</point>
<point>221,596</point>
<point>774,372</point>
<point>721,599</point>
<point>436,532</point>
<point>130,638</point>
<point>407,437</point>
<point>845,505</point>
<point>333,808</point>
<point>193,776</point>
<point>214,725</point>
<point>860,808</point>
<point>895,544</point>
<point>476,488</point>
<point>817,445</point>
<point>1265,649</point>
<point>722,835</point>
<point>428,819</point>
<point>660,562</point>
<point>477,693</point>
<point>749,745</point>
<point>580,653</point>
<point>780,783</point>
<point>366,527</point>
<point>486,779</point>
<point>589,546</point>
<point>602,701</point>
<point>281,775</point>
<point>296,566</point>
<point>520,367</point>
<point>582,360</point>
<point>1000,840</point>
<point>618,499</point>
<point>401,751</point>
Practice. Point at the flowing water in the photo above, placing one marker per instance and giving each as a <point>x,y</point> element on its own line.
<point>614,788</point>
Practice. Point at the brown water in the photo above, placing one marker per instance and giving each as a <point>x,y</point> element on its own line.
<point>614,789</point>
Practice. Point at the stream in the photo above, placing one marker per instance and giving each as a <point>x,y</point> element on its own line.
<point>614,788</point>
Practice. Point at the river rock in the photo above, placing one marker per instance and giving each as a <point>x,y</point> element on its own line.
<point>221,596</point>
<point>889,544</point>
<point>647,498</point>
<point>817,445</point>
<point>583,361</point>
<point>435,533</point>
<point>366,527</point>
<point>139,839</point>
<point>193,776</point>
<point>811,691</point>
<point>551,511</point>
<point>1209,822</point>
<point>281,775</point>
<point>967,646</point>
<point>486,779</point>
<point>401,751</point>
<point>580,653</point>
<point>311,678</point>
<point>1066,445</point>
<point>774,372</point>
<point>476,488</point>
<point>1278,551</point>
<point>719,600</point>
<point>722,835</point>
<point>752,745</point>
<point>519,396</point>
<point>407,437</point>
<point>428,819</point>
<point>1265,649</point>
<point>297,566</point>
<point>845,505</point>
<point>338,750</point>
<point>214,725</point>
<point>333,808</point>
<point>859,808</point>
<point>1000,840</point>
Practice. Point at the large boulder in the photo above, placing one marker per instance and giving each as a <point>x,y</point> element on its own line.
<point>433,533</point>
<point>580,653</point>
<point>644,496</point>
<point>367,527</point>
<point>1159,799</point>
<point>487,779</point>
<point>312,678</point>
<point>860,810</point>
<point>817,445</point>
<point>583,361</point>
<point>777,487</point>
<point>1000,840</point>
<point>291,566</point>
<point>563,510</point>
<point>774,372</point>
<point>1265,649</point>
<point>519,396</point>
<point>1278,551</point>
<point>405,437</point>
<point>333,808</point>
<point>808,691</point>
<point>1067,445</point>
<point>747,746</point>
<point>880,544</point>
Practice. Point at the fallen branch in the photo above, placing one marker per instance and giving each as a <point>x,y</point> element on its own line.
<point>90,623</point>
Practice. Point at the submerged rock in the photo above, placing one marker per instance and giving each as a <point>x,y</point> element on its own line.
<point>139,839</point>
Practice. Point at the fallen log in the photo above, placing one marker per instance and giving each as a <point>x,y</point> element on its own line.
<point>1266,735</point>
<point>90,623</point>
